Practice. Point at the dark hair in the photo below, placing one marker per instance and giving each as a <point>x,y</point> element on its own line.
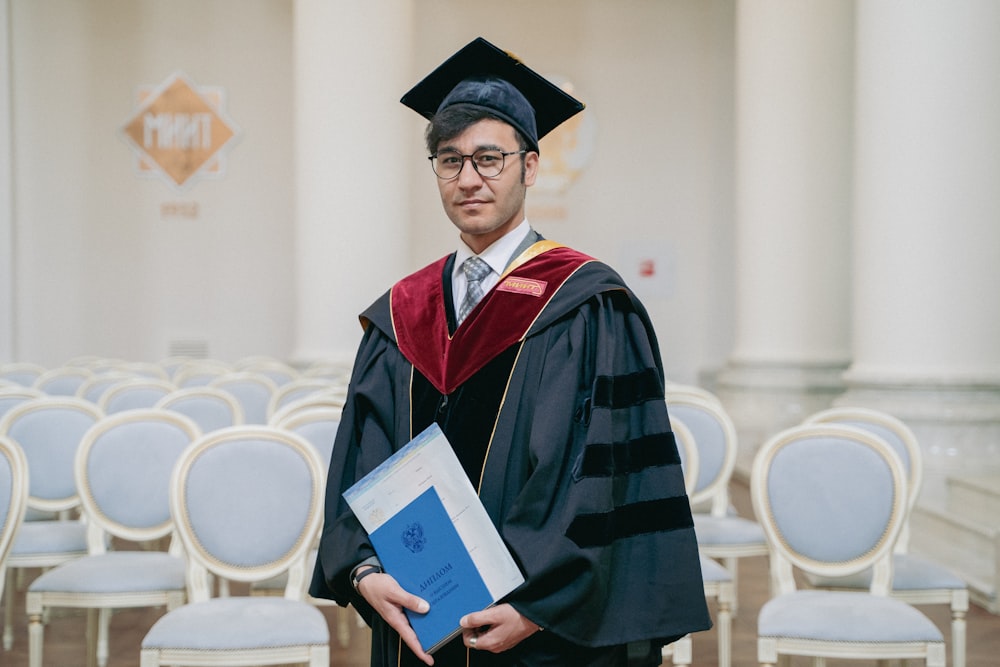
<point>453,120</point>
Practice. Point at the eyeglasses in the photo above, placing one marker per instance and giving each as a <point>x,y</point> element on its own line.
<point>488,163</point>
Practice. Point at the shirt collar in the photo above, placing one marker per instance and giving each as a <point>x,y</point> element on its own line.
<point>498,254</point>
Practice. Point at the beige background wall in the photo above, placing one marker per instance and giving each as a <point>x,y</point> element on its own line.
<point>99,268</point>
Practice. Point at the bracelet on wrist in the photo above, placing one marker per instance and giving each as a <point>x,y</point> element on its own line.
<point>358,576</point>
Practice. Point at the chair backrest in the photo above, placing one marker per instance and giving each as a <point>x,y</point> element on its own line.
<point>318,425</point>
<point>92,389</point>
<point>13,498</point>
<point>688,451</point>
<point>22,373</point>
<point>49,431</point>
<point>63,381</point>
<point>278,371</point>
<point>210,407</point>
<point>123,470</point>
<point>133,394</point>
<point>323,399</point>
<point>247,503</point>
<point>253,391</point>
<point>900,438</point>
<point>832,500</point>
<point>715,435</point>
<point>15,395</point>
<point>198,373</point>
<point>298,389</point>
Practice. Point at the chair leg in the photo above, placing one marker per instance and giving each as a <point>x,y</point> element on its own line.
<point>103,625</point>
<point>149,657</point>
<point>732,564</point>
<point>36,637</point>
<point>724,618</point>
<point>92,624</point>
<point>319,656</point>
<point>959,606</point>
<point>8,610</point>
<point>342,619</point>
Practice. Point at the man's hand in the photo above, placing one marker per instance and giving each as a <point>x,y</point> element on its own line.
<point>389,599</point>
<point>496,629</point>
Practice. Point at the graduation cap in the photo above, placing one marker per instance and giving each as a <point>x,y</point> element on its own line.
<point>483,75</point>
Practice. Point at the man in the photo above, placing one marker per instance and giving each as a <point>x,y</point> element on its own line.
<point>550,390</point>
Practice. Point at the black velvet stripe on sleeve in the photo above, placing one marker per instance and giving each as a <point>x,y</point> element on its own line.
<point>622,391</point>
<point>654,516</point>
<point>609,459</point>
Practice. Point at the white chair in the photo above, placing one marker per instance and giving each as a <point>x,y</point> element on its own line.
<point>719,584</point>
<point>324,399</point>
<point>722,534</point>
<point>832,500</point>
<point>49,431</point>
<point>199,372</point>
<point>134,394</point>
<point>247,502</point>
<point>253,391</point>
<point>210,407</point>
<point>915,579</point>
<point>123,469</point>
<point>13,502</point>
<point>280,372</point>
<point>22,373</point>
<point>298,389</point>
<point>63,381</point>
<point>15,395</point>
<point>92,389</point>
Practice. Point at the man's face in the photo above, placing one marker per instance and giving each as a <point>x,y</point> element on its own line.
<point>484,209</point>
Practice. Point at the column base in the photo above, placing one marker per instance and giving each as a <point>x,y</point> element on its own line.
<point>957,423</point>
<point>763,398</point>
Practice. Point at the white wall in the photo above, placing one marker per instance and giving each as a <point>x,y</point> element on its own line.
<point>101,271</point>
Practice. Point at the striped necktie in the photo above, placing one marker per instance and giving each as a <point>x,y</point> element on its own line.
<point>475,270</point>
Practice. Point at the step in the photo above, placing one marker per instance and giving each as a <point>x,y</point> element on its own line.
<point>969,547</point>
<point>975,497</point>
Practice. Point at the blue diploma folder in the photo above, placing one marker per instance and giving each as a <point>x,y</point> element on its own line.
<point>420,547</point>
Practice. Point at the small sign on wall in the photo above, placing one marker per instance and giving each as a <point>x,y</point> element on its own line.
<point>180,131</point>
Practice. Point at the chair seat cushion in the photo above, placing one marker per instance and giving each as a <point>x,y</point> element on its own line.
<point>909,573</point>
<point>239,623</point>
<point>713,571</point>
<point>714,530</point>
<point>50,537</point>
<point>114,572</point>
<point>842,616</point>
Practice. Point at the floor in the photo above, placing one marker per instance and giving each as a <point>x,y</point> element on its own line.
<point>64,635</point>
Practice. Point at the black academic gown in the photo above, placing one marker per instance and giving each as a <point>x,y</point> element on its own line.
<point>558,417</point>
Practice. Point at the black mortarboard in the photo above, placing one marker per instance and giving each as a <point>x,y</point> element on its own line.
<point>483,75</point>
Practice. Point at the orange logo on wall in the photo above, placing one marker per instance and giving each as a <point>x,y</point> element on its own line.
<point>180,131</point>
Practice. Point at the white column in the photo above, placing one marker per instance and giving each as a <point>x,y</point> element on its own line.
<point>7,275</point>
<point>793,145</point>
<point>352,64</point>
<point>927,231</point>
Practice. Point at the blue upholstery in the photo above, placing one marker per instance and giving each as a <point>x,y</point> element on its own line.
<point>116,571</point>
<point>48,537</point>
<point>49,431</point>
<point>252,390</point>
<point>244,509</point>
<point>727,530</point>
<point>909,573</point>
<point>841,616</point>
<point>711,441</point>
<point>239,623</point>
<point>856,513</point>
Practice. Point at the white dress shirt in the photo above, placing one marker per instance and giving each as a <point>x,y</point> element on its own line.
<point>497,255</point>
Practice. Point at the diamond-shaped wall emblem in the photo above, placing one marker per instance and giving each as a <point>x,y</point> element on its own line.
<point>180,131</point>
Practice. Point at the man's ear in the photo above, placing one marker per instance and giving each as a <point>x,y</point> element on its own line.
<point>530,167</point>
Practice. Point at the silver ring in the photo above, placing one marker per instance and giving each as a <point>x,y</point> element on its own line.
<point>472,641</point>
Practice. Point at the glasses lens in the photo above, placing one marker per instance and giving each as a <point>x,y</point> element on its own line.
<point>488,163</point>
<point>447,164</point>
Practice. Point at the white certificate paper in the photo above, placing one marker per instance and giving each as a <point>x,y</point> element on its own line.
<point>429,461</point>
